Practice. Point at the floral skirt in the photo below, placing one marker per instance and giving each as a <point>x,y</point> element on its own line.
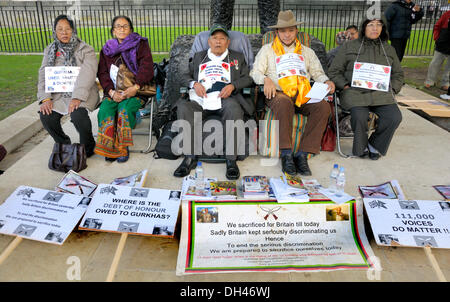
<point>115,122</point>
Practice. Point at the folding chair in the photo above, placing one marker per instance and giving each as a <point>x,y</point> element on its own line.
<point>346,132</point>
<point>150,101</point>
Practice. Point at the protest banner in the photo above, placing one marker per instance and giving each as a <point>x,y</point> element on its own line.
<point>243,236</point>
<point>132,210</point>
<point>414,223</point>
<point>41,215</point>
<point>371,76</point>
<point>60,78</point>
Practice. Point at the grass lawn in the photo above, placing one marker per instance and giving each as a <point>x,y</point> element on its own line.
<point>18,81</point>
<point>161,38</point>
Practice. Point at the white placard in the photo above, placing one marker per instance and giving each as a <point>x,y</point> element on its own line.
<point>244,236</point>
<point>41,215</point>
<point>60,78</point>
<point>371,76</point>
<point>123,209</point>
<point>409,222</point>
<point>290,64</point>
<point>214,71</point>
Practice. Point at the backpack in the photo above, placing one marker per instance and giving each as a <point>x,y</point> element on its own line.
<point>163,147</point>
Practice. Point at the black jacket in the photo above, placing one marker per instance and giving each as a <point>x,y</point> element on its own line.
<point>400,18</point>
<point>240,77</point>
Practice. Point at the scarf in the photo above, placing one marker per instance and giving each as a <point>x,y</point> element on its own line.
<point>293,86</point>
<point>68,50</point>
<point>128,49</point>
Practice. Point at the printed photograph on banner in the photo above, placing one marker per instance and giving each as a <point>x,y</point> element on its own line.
<point>207,215</point>
<point>163,230</point>
<point>443,190</point>
<point>92,223</point>
<point>445,205</point>
<point>338,213</point>
<point>388,239</point>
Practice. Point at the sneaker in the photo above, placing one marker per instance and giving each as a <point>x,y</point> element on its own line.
<point>445,97</point>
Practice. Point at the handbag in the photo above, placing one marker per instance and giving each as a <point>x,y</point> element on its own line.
<point>67,157</point>
<point>126,79</point>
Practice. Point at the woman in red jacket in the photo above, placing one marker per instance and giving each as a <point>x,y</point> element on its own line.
<point>117,114</point>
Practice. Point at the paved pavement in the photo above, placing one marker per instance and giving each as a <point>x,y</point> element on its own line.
<point>418,158</point>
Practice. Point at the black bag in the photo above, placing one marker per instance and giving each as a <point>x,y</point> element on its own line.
<point>163,147</point>
<point>67,157</point>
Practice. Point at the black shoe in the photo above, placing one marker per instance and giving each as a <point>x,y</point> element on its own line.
<point>365,154</point>
<point>374,156</point>
<point>288,165</point>
<point>110,159</point>
<point>232,170</point>
<point>185,167</point>
<point>301,163</point>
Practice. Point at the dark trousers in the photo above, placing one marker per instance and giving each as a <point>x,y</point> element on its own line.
<point>389,117</point>
<point>317,115</point>
<point>399,46</point>
<point>82,122</point>
<point>231,111</point>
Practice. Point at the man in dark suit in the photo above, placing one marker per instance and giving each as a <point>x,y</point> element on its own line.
<point>225,72</point>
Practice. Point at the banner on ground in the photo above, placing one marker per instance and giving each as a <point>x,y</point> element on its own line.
<point>397,222</point>
<point>243,236</point>
<point>132,210</point>
<point>42,215</point>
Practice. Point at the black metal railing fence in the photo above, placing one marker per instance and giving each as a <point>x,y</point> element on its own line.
<point>25,26</point>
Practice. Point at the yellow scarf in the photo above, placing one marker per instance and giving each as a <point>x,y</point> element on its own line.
<point>293,84</point>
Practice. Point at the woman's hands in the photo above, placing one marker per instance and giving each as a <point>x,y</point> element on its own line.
<point>74,104</point>
<point>120,95</point>
<point>46,107</point>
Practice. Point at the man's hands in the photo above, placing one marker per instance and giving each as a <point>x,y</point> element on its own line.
<point>270,90</point>
<point>224,93</point>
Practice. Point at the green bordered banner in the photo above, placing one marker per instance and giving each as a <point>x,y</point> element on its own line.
<point>243,236</point>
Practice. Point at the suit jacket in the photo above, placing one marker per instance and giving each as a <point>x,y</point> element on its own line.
<point>240,77</point>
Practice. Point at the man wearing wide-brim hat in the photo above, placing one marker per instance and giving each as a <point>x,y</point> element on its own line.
<point>285,68</point>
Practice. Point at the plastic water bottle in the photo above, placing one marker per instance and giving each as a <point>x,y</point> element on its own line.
<point>340,182</point>
<point>199,177</point>
<point>333,176</point>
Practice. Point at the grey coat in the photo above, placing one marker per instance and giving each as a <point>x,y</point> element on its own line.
<point>341,72</point>
<point>85,87</point>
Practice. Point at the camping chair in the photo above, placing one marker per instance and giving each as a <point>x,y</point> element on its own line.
<point>343,127</point>
<point>269,148</point>
<point>240,43</point>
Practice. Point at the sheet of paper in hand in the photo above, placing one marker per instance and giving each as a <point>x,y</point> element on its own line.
<point>243,236</point>
<point>124,209</point>
<point>41,215</point>
<point>290,64</point>
<point>60,78</point>
<point>397,222</point>
<point>371,76</point>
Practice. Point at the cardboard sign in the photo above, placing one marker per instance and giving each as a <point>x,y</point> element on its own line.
<point>132,210</point>
<point>371,76</point>
<point>290,64</point>
<point>214,71</point>
<point>42,215</point>
<point>60,78</point>
<point>245,236</point>
<point>415,223</point>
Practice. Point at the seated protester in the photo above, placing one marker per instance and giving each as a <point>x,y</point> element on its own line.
<point>117,114</point>
<point>233,77</point>
<point>68,50</point>
<point>285,95</point>
<point>361,96</point>
<point>350,33</point>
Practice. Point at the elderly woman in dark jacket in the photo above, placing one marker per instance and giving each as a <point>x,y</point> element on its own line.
<point>68,50</point>
<point>370,47</point>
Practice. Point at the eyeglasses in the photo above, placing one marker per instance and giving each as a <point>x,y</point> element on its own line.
<point>63,30</point>
<point>373,25</point>
<point>125,27</point>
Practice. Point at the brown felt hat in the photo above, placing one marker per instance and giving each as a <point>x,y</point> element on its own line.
<point>286,19</point>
